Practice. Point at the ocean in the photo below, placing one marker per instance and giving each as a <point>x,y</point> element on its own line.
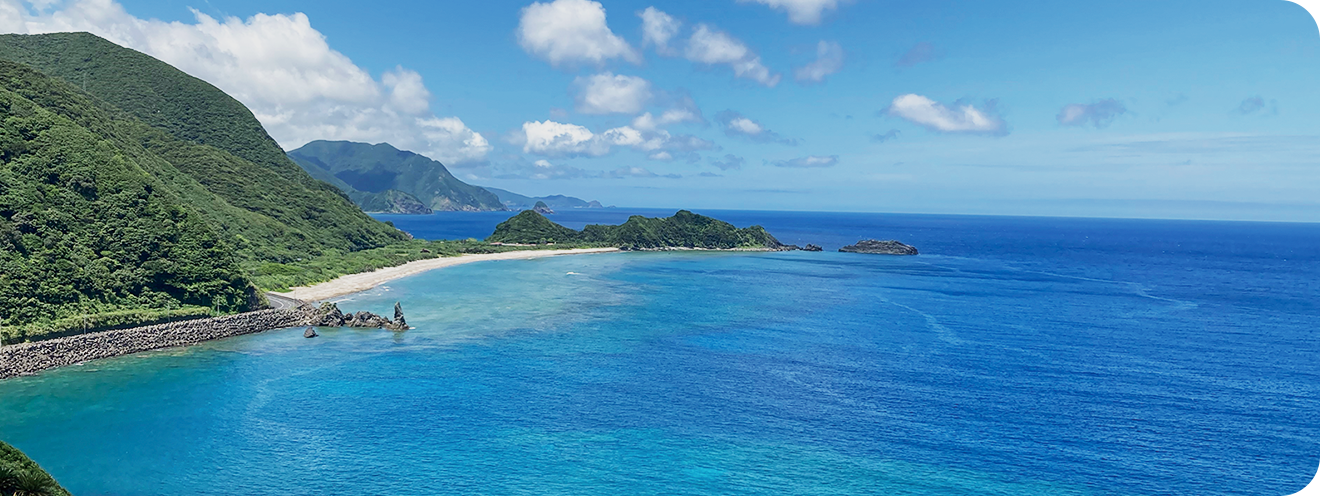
<point>1014,356</point>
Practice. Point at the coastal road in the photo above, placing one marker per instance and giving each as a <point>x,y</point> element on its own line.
<point>278,302</point>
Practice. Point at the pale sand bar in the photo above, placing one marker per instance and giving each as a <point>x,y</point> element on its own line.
<point>353,283</point>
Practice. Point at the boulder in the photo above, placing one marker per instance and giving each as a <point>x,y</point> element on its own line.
<point>811,247</point>
<point>310,333</point>
<point>874,247</point>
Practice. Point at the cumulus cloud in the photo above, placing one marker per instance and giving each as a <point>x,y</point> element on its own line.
<point>281,68</point>
<point>808,162</point>
<point>568,32</point>
<point>1100,114</point>
<point>554,139</point>
<point>608,93</point>
<point>737,125</point>
<point>920,53</point>
<point>829,60</point>
<point>729,162</point>
<point>657,29</point>
<point>807,12</point>
<point>714,47</point>
<point>889,136</point>
<point>960,118</point>
<point>1257,104</point>
<point>683,109</point>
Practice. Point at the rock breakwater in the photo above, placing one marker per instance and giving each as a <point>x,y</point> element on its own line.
<point>30,358</point>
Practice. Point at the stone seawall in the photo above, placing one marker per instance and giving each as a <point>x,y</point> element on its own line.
<point>30,358</point>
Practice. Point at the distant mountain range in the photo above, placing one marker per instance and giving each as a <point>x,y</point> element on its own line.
<point>515,201</point>
<point>382,178</point>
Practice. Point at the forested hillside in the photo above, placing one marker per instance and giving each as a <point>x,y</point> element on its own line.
<point>382,178</point>
<point>164,208</point>
<point>683,230</point>
<point>208,135</point>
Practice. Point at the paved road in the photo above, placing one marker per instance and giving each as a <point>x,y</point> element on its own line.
<point>278,302</point>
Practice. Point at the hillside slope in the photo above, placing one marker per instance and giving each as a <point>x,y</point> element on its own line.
<point>86,228</point>
<point>383,178</point>
<point>108,219</point>
<point>208,135</point>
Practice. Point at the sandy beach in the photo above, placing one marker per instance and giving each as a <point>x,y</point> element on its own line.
<point>354,283</point>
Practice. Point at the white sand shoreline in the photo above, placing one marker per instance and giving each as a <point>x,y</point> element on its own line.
<point>354,283</point>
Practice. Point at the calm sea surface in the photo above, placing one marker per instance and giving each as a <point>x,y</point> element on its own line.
<point>1014,356</point>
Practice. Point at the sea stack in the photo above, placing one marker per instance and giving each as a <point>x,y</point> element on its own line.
<point>874,247</point>
<point>310,333</point>
<point>398,316</point>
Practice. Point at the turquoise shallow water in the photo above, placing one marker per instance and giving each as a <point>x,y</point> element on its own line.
<point>1017,356</point>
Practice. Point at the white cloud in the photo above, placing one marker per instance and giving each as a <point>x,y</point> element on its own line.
<point>683,110</point>
<point>962,118</point>
<point>567,32</point>
<point>554,139</point>
<point>829,60</point>
<point>740,126</point>
<point>1099,114</point>
<point>607,93</point>
<point>806,12</point>
<point>808,162</point>
<point>657,29</point>
<point>280,67</point>
<point>711,46</point>
<point>407,92</point>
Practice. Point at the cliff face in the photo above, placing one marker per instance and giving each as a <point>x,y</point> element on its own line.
<point>382,178</point>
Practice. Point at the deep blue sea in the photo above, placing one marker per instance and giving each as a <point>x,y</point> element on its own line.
<point>1014,356</point>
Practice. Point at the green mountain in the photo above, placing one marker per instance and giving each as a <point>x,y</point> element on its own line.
<point>147,194</point>
<point>382,178</point>
<point>19,474</point>
<point>515,201</point>
<point>684,230</point>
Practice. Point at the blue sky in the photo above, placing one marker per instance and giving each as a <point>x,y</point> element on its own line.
<point>1202,109</point>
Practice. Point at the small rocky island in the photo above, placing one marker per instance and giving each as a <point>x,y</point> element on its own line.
<point>875,247</point>
<point>542,208</point>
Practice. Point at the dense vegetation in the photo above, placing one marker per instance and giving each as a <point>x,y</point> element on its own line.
<point>515,201</point>
<point>149,196</point>
<point>19,475</point>
<point>381,178</point>
<point>684,230</point>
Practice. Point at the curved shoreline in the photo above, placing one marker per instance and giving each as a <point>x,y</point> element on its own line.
<point>355,283</point>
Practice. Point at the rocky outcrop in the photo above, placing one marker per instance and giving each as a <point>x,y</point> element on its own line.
<point>811,247</point>
<point>329,315</point>
<point>542,208</point>
<point>874,247</point>
<point>398,316</point>
<point>310,333</point>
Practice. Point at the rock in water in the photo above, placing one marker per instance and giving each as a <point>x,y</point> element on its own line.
<point>398,316</point>
<point>880,248</point>
<point>811,247</point>
<point>310,333</point>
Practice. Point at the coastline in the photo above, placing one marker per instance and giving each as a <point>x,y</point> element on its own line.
<point>362,281</point>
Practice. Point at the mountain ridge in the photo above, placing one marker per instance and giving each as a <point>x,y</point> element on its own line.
<point>382,178</point>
